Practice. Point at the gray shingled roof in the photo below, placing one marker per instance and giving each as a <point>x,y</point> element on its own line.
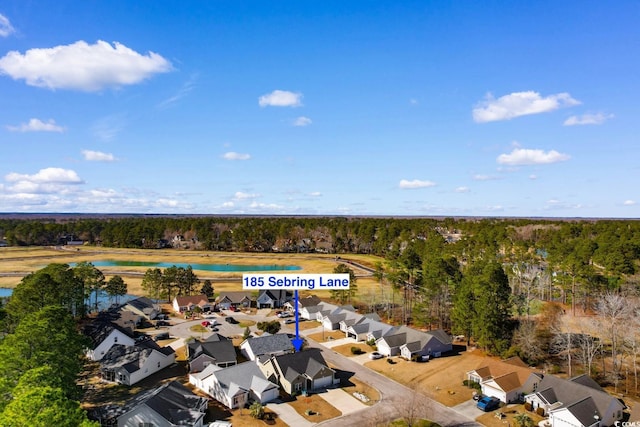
<point>584,411</point>
<point>244,376</point>
<point>568,392</point>
<point>172,401</point>
<point>308,362</point>
<point>270,344</point>
<point>131,358</point>
<point>221,351</point>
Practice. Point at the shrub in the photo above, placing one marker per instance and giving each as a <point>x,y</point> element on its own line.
<point>528,406</point>
<point>540,411</point>
<point>356,350</point>
<point>465,383</point>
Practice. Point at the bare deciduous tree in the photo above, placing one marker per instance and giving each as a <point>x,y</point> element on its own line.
<point>614,311</point>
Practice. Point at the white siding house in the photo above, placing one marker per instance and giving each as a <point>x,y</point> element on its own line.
<point>235,386</point>
<point>105,338</point>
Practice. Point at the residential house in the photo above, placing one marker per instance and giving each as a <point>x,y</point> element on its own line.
<point>169,405</point>
<point>578,401</point>
<point>226,300</point>
<point>142,306</point>
<point>507,380</point>
<point>236,385</point>
<point>367,324</point>
<point>216,350</point>
<point>266,345</point>
<point>104,335</point>
<point>182,304</point>
<point>299,372</point>
<point>309,301</point>
<point>409,343</point>
<point>130,364</point>
<point>273,298</point>
<point>430,343</point>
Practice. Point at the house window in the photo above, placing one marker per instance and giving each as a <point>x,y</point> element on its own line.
<point>297,386</point>
<point>115,339</point>
<point>158,365</point>
<point>145,424</point>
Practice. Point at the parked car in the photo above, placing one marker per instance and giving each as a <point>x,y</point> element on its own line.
<point>375,355</point>
<point>488,403</point>
<point>231,320</point>
<point>209,316</point>
<point>162,323</point>
<point>205,323</point>
<point>220,424</point>
<point>284,314</point>
<point>289,321</point>
<point>161,336</point>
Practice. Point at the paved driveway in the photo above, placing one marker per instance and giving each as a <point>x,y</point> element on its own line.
<point>468,409</point>
<point>288,415</point>
<point>343,401</point>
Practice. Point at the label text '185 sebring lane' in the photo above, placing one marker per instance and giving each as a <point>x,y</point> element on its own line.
<point>296,281</point>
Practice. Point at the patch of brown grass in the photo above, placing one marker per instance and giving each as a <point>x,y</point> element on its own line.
<point>320,408</point>
<point>358,386</point>
<point>345,349</point>
<point>327,336</point>
<point>439,378</point>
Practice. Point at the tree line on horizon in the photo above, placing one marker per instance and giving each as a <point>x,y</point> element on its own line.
<point>481,278</point>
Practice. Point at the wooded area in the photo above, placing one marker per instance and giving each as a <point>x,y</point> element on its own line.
<point>509,286</point>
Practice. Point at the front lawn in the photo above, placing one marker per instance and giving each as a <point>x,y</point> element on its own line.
<point>314,408</point>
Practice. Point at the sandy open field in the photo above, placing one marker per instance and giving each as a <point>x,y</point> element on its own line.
<point>17,262</point>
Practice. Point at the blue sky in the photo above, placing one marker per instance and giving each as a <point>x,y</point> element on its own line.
<point>321,107</point>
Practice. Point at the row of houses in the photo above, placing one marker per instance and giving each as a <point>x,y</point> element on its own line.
<point>226,300</point>
<point>578,401</point>
<point>402,340</point>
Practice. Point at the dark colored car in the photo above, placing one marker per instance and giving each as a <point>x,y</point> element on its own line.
<point>230,320</point>
<point>488,403</point>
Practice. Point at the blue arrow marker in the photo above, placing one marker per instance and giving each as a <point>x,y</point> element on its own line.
<point>297,342</point>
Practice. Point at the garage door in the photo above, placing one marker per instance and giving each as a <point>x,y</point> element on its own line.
<point>322,382</point>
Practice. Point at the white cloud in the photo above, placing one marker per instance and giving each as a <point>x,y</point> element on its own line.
<point>97,156</point>
<point>629,203</point>
<point>413,101</point>
<point>315,194</point>
<point>525,156</point>
<point>232,155</point>
<point>46,181</point>
<point>6,28</point>
<point>462,190</point>
<point>533,177</point>
<point>281,98</point>
<point>302,121</point>
<point>519,104</point>
<point>588,119</point>
<point>81,66</point>
<point>416,183</point>
<point>266,206</point>
<point>48,175</point>
<point>481,177</point>
<point>245,196</point>
<point>37,125</point>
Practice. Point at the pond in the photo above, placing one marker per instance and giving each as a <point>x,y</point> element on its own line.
<point>202,267</point>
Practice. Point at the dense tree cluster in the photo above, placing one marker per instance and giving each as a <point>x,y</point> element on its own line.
<point>40,359</point>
